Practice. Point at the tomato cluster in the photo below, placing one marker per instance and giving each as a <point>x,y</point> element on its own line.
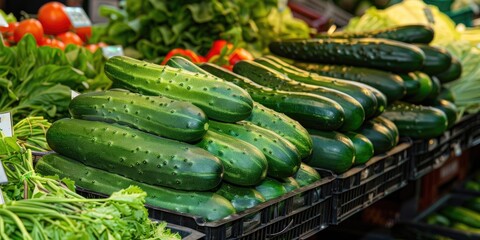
<point>52,28</point>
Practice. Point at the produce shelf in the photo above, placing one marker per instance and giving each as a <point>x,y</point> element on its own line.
<point>361,186</point>
<point>299,213</point>
<point>419,227</point>
<point>430,154</point>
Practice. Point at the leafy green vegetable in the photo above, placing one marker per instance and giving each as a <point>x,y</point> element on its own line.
<point>36,81</point>
<point>154,27</point>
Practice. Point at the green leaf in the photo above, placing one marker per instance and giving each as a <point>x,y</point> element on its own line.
<point>201,12</point>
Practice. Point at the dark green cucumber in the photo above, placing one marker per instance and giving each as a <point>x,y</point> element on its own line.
<point>283,158</point>
<point>308,109</point>
<point>417,121</point>
<point>135,154</point>
<point>424,90</point>
<point>446,94</point>
<point>474,204</point>
<point>208,205</point>
<point>364,52</point>
<point>289,183</point>
<point>354,89</point>
<point>363,147</point>
<point>465,228</point>
<point>266,76</point>
<point>183,63</point>
<point>332,151</point>
<point>436,88</point>
<point>438,219</point>
<point>448,108</point>
<point>472,186</point>
<point>285,126</point>
<point>406,34</point>
<point>161,116</point>
<point>394,133</point>
<point>243,163</point>
<point>437,59</point>
<point>306,175</point>
<point>411,83</point>
<point>390,84</point>
<point>452,73</point>
<point>219,99</point>
<point>242,198</point>
<point>380,136</point>
<point>271,189</point>
<point>462,215</point>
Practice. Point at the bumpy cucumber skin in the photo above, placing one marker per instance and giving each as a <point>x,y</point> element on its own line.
<point>135,154</point>
<point>437,60</point>
<point>448,108</point>
<point>417,121</point>
<point>380,136</point>
<point>452,73</point>
<point>358,91</point>
<point>208,205</point>
<point>183,63</point>
<point>242,198</point>
<point>267,76</point>
<point>363,147</point>
<point>406,34</point>
<point>285,126</point>
<point>309,109</point>
<point>390,84</point>
<point>161,116</point>
<point>271,189</point>
<point>306,175</point>
<point>283,158</point>
<point>289,184</point>
<point>219,99</point>
<point>363,52</point>
<point>331,150</point>
<point>243,163</point>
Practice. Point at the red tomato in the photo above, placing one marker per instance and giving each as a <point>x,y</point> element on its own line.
<point>70,38</point>
<point>52,42</point>
<point>11,27</point>
<point>53,18</point>
<point>84,33</point>
<point>217,48</point>
<point>31,26</point>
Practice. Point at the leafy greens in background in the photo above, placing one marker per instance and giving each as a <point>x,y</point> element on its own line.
<point>36,81</point>
<point>148,29</point>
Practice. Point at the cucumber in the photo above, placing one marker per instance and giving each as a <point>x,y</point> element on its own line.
<point>411,83</point>
<point>157,115</point>
<point>452,73</point>
<point>208,205</point>
<point>364,52</point>
<point>450,110</point>
<point>446,94</point>
<point>363,147</point>
<point>394,133</point>
<point>332,151</point>
<point>417,121</point>
<point>306,175</point>
<point>406,34</point>
<point>282,156</point>
<point>219,99</point>
<point>243,163</point>
<point>263,75</point>
<point>473,186</point>
<point>437,59</point>
<point>183,63</point>
<point>359,92</point>
<point>462,215</point>
<point>436,88</point>
<point>242,198</point>
<point>308,109</point>
<point>465,228</point>
<point>135,154</point>
<point>424,91</point>
<point>390,84</point>
<point>380,136</point>
<point>284,126</point>
<point>474,204</point>
<point>271,189</point>
<point>289,184</point>
<point>438,219</point>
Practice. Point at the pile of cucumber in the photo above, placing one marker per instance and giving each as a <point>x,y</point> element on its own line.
<point>398,62</point>
<point>465,217</point>
<point>195,143</point>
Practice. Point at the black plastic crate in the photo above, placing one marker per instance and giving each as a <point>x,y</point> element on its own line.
<point>363,185</point>
<point>419,227</point>
<point>430,154</point>
<point>185,233</point>
<point>473,135</point>
<point>281,218</point>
